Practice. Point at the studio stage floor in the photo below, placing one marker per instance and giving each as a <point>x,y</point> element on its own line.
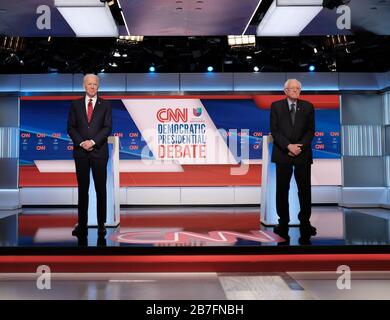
<point>194,253</point>
<point>232,227</point>
<point>194,239</point>
<point>229,227</point>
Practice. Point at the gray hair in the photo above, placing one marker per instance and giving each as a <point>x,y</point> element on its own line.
<point>289,80</point>
<point>91,75</point>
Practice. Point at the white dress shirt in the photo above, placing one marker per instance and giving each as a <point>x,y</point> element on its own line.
<point>87,101</point>
<point>86,110</point>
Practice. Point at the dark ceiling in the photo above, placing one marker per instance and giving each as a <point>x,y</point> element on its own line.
<point>190,35</point>
<point>363,53</point>
<point>192,17</point>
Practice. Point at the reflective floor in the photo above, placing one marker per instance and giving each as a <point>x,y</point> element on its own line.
<point>233,229</point>
<point>197,286</point>
<point>197,226</point>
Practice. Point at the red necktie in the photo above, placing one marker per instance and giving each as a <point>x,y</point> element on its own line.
<point>90,110</point>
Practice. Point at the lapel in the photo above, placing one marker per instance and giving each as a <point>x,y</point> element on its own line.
<point>95,109</point>
<point>83,110</point>
<point>298,112</point>
<point>287,112</point>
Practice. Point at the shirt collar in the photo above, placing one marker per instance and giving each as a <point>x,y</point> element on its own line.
<point>290,102</point>
<point>93,99</point>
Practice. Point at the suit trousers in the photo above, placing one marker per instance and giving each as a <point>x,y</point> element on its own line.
<point>99,174</point>
<point>302,174</point>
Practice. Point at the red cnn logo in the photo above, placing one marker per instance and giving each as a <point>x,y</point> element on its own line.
<point>185,237</point>
<point>175,115</point>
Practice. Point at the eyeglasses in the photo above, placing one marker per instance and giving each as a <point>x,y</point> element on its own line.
<point>294,89</point>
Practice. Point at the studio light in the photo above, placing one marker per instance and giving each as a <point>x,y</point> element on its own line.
<point>88,18</point>
<point>241,41</point>
<point>210,69</point>
<point>130,39</point>
<point>256,69</point>
<point>312,68</point>
<point>12,43</point>
<point>288,17</point>
<point>152,69</point>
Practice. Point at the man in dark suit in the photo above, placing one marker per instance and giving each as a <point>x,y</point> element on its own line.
<point>89,125</point>
<point>292,127</point>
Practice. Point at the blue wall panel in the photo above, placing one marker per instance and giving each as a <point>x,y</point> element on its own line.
<point>358,81</point>
<point>257,81</point>
<point>206,81</point>
<point>322,81</point>
<point>152,82</point>
<point>9,82</point>
<point>51,82</point>
<point>174,82</point>
<point>383,79</point>
<point>108,82</point>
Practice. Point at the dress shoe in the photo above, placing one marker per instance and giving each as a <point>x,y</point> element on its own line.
<point>101,241</point>
<point>282,231</point>
<point>102,231</point>
<point>304,240</point>
<point>80,231</point>
<point>307,230</point>
<point>82,241</point>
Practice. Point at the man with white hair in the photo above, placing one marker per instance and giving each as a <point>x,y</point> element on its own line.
<point>292,127</point>
<point>89,125</point>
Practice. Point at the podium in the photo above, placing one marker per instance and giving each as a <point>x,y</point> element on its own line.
<point>113,200</point>
<point>268,214</point>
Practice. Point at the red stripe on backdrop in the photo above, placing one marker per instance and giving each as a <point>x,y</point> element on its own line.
<point>33,98</point>
<point>201,175</point>
<point>262,101</point>
<point>29,176</point>
<point>113,97</point>
<point>319,101</point>
<point>230,97</point>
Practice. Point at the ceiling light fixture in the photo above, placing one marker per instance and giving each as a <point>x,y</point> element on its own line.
<point>100,22</point>
<point>241,41</point>
<point>288,17</point>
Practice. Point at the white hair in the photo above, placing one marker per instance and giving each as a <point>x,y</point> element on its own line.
<point>290,80</point>
<point>91,75</point>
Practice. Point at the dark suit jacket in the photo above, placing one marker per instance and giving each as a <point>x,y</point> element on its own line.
<point>98,130</point>
<point>284,133</point>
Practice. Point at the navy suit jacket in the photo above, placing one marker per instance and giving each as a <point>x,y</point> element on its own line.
<point>97,130</point>
<point>284,133</point>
